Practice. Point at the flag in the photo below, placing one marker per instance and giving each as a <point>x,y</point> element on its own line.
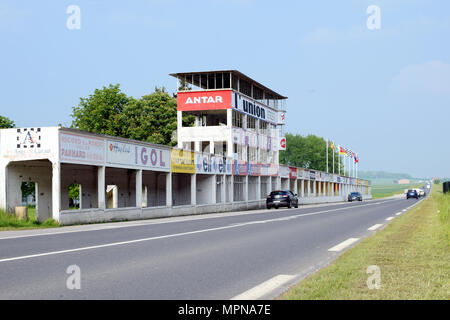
<point>342,151</point>
<point>332,146</point>
<point>355,156</point>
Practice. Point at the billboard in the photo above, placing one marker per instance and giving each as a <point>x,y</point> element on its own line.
<point>204,100</point>
<point>76,148</point>
<point>137,156</point>
<point>253,108</point>
<point>182,161</point>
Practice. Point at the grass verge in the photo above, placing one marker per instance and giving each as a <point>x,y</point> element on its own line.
<point>412,252</point>
<point>10,222</point>
<point>382,191</point>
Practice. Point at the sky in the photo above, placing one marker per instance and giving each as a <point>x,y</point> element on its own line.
<point>383,93</point>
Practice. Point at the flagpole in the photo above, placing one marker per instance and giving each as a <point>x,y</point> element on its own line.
<point>327,154</point>
<point>333,157</point>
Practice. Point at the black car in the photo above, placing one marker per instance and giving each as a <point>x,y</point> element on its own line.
<point>412,194</point>
<point>355,196</point>
<point>281,198</point>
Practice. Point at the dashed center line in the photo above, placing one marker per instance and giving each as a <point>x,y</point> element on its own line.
<point>390,218</point>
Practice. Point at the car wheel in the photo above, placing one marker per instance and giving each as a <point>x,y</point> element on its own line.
<point>268,207</point>
<point>289,205</point>
<point>296,204</point>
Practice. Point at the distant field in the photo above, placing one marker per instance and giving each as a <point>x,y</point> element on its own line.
<point>381,191</point>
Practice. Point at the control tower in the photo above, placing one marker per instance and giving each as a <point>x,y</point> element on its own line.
<point>235,116</point>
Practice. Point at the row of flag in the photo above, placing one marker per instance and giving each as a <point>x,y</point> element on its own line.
<point>344,152</point>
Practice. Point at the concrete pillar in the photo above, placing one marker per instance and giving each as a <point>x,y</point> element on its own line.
<point>269,186</point>
<point>139,188</point>
<point>194,189</point>
<point>258,189</point>
<point>295,187</point>
<point>302,187</point>
<point>309,188</point>
<point>3,181</point>
<point>246,188</point>
<point>179,125</point>
<point>314,189</point>
<point>213,183</point>
<point>56,190</point>
<point>224,188</point>
<point>169,189</point>
<point>211,146</point>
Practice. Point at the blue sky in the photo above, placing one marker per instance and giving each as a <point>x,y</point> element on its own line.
<point>382,93</point>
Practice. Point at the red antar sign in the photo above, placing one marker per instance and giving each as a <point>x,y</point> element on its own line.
<point>204,100</point>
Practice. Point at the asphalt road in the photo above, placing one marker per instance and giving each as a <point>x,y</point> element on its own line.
<point>249,255</point>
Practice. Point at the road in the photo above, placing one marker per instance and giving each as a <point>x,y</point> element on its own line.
<point>242,255</point>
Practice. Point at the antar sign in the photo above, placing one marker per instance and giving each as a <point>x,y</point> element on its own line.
<point>210,100</point>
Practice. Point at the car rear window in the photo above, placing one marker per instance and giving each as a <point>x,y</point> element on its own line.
<point>275,193</point>
<point>355,194</point>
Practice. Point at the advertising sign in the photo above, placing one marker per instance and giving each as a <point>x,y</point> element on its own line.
<point>292,172</point>
<point>81,149</point>
<point>282,143</point>
<point>284,172</point>
<point>182,161</point>
<point>204,100</point>
<point>221,165</point>
<point>240,168</point>
<point>272,169</point>
<point>281,117</point>
<point>312,175</point>
<point>137,156</point>
<point>253,108</point>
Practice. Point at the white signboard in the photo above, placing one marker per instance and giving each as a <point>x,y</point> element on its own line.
<point>253,108</point>
<point>76,148</point>
<point>282,143</point>
<point>284,172</point>
<point>29,143</point>
<point>137,156</point>
<point>281,117</point>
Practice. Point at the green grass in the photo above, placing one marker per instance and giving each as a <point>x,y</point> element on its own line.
<point>412,252</point>
<point>382,191</point>
<point>10,222</point>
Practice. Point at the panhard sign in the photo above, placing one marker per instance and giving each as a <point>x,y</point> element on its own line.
<point>81,149</point>
<point>137,156</point>
<point>204,100</point>
<point>182,161</point>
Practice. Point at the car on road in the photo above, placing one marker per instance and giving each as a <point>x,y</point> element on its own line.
<point>354,196</point>
<point>412,193</point>
<point>281,198</point>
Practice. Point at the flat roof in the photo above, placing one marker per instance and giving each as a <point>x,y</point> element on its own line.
<point>275,95</point>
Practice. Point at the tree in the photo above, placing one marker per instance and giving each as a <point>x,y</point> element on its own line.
<point>6,123</point>
<point>308,152</point>
<point>100,112</point>
<point>152,118</point>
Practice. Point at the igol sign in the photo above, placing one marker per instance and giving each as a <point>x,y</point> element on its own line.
<point>131,155</point>
<point>254,108</point>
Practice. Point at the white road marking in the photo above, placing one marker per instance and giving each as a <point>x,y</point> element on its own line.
<point>390,218</point>
<point>398,213</point>
<point>264,288</point>
<point>343,244</point>
<point>374,227</point>
<point>404,210</point>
